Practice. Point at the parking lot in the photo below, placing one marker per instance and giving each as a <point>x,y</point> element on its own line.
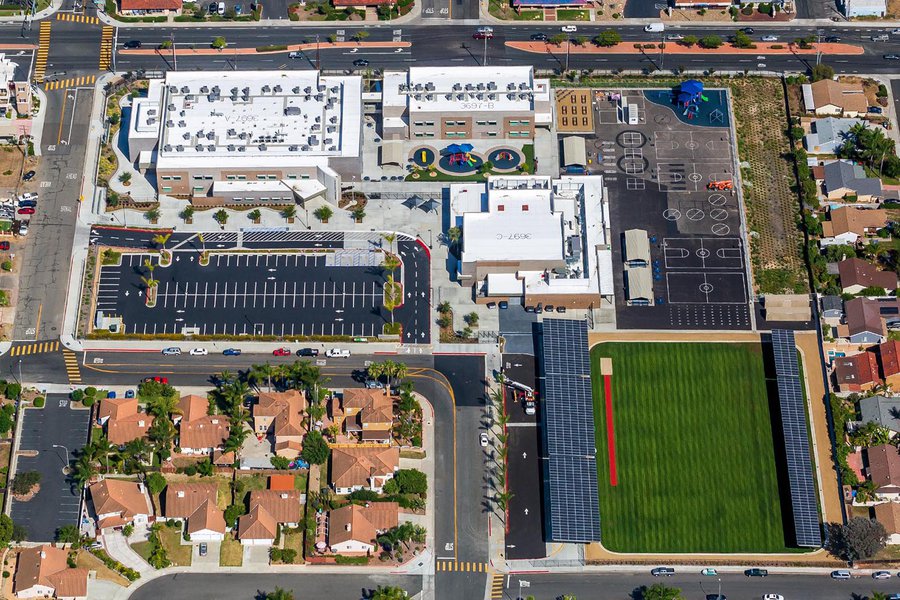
<point>663,174</point>
<point>57,502</point>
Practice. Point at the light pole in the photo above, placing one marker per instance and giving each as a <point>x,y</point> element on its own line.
<point>68,461</point>
<point>174,54</point>
<point>522,584</point>
<point>484,59</point>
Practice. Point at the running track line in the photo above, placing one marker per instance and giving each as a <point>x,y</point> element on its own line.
<point>610,431</point>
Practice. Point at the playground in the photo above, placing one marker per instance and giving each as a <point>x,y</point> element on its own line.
<point>460,159</point>
<point>465,162</point>
<point>693,104</point>
<point>686,455</point>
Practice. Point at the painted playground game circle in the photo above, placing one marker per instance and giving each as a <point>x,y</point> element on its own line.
<point>717,199</point>
<point>505,158</point>
<point>423,157</point>
<point>631,139</point>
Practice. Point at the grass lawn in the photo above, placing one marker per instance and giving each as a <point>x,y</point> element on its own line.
<point>179,554</point>
<point>571,14</point>
<point>694,449</point>
<point>86,560</point>
<point>231,553</point>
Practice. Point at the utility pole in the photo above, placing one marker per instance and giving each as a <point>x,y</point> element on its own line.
<point>568,43</point>
<point>114,44</point>
<point>662,50</point>
<point>317,53</point>
<point>484,60</point>
<point>174,54</point>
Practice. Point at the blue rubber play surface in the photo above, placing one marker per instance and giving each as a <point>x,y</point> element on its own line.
<point>711,113</point>
<point>460,166</point>
<point>505,158</point>
<point>423,157</point>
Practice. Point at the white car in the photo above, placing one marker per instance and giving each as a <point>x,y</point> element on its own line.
<point>675,37</point>
<point>770,38</point>
<point>221,8</point>
<point>199,351</point>
<point>895,31</point>
<point>881,575</point>
<point>337,353</point>
<point>568,28</point>
<point>23,228</point>
<point>28,196</point>
<point>773,597</point>
<point>483,438</point>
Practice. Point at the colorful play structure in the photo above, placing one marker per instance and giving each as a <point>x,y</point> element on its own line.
<point>460,154</point>
<point>689,96</point>
<point>725,184</point>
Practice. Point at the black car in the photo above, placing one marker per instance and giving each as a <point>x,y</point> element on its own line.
<point>747,30</point>
<point>831,39</point>
<point>360,62</point>
<point>503,304</point>
<point>875,110</point>
<point>308,352</point>
<point>756,573</point>
<point>132,44</point>
<point>539,37</point>
<point>28,176</point>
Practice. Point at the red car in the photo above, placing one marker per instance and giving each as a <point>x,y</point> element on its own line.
<point>158,379</point>
<point>281,352</point>
<point>4,245</point>
<point>26,211</point>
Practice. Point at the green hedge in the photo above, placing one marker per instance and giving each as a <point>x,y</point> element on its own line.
<point>351,560</point>
<point>272,48</point>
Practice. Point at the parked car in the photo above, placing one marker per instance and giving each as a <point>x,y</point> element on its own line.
<point>770,38</point>
<point>337,353</point>
<point>840,574</point>
<point>203,549</point>
<point>221,9</point>
<point>295,55</point>
<point>709,572</point>
<point>483,439</point>
<point>373,384</point>
<point>675,37</point>
<point>171,351</point>
<point>28,176</point>
<point>891,57</point>
<point>491,305</point>
<point>503,304</point>
<point>132,44</point>
<point>199,351</point>
<point>756,573</point>
<point>281,352</point>
<point>4,245</point>
<point>560,309</point>
<point>28,210</point>
<point>27,203</point>
<point>895,31</point>
<point>110,394</point>
<point>529,309</point>
<point>662,572</point>
<point>747,30</point>
<point>360,62</point>
<point>569,28</point>
<point>831,39</point>
<point>157,379</point>
<point>308,352</point>
<point>773,597</point>
<point>23,228</point>
<point>213,8</point>
<point>238,9</point>
<point>539,37</point>
<point>881,575</point>
<point>483,35</point>
<point>232,352</point>
<point>28,196</point>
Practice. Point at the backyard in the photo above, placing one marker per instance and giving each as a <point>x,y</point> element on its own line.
<point>695,453</point>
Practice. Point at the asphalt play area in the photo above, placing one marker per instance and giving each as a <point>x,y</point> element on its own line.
<point>663,172</point>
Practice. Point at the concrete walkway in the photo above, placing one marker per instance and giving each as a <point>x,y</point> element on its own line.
<point>117,547</point>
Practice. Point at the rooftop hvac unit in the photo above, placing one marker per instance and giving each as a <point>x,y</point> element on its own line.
<point>457,87</point>
<point>492,96</point>
<point>491,85</point>
<point>418,87</point>
<point>216,89</point>
<point>198,148</point>
<point>292,111</point>
<point>480,96</point>
<point>212,97</point>
<point>171,107</point>
<point>335,89</point>
<point>182,124</point>
<point>242,148</point>
<point>232,132</point>
<point>245,98</point>
<point>308,89</point>
<point>333,119</point>
<point>313,140</point>
<point>429,87</point>
<point>331,129</point>
<point>523,86</point>
<point>233,98</point>
<point>510,86</point>
<point>448,96</point>
<point>480,85</point>
<point>266,89</point>
<point>179,148</point>
<point>429,97</point>
<point>185,89</point>
<point>293,148</point>
<point>234,90</point>
<point>151,111</point>
<point>172,89</point>
<point>320,97</point>
<point>322,87</point>
<point>210,136</point>
<point>186,135</point>
<point>243,135</point>
<point>510,96</point>
<point>211,148</point>
<point>167,148</point>
<point>469,87</point>
<point>460,96</point>
<point>204,90</point>
<point>169,123</point>
<point>332,148</point>
<point>231,147</point>
<point>277,89</point>
<point>296,89</point>
<point>315,127</point>
<point>246,90</point>
<point>305,147</point>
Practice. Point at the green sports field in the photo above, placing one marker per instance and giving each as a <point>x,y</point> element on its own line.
<point>695,452</point>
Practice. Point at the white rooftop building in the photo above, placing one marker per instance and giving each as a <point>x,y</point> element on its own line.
<point>864,8</point>
<point>246,125</point>
<point>535,237</point>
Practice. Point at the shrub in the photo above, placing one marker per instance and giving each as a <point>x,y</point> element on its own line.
<point>232,513</point>
<point>6,418</point>
<point>13,390</point>
<point>6,265</point>
<point>156,483</point>
<point>288,556</point>
<point>280,462</point>
<point>88,401</point>
<point>77,396</point>
<point>90,391</point>
<point>364,495</point>
<point>219,43</point>
<point>710,41</point>
<point>39,402</point>
<point>25,482</point>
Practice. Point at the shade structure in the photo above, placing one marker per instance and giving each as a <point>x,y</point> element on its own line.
<point>692,86</point>
<point>574,152</point>
<point>392,152</point>
<point>466,147</point>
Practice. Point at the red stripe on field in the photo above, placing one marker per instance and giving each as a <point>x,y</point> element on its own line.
<point>610,432</point>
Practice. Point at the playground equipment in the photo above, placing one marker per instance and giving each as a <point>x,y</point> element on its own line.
<point>725,184</point>
<point>462,158</point>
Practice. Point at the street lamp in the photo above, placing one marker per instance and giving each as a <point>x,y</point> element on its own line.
<point>68,461</point>
<point>522,584</point>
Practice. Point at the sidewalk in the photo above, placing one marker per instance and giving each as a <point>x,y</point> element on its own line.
<point>47,12</point>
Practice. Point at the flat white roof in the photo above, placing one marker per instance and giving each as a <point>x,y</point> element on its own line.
<point>7,70</point>
<point>512,236</point>
<point>249,186</point>
<point>504,284</point>
<point>465,89</point>
<point>256,117</point>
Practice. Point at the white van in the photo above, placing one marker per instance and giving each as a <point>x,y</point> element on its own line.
<point>840,574</point>
<point>337,353</point>
<point>655,27</point>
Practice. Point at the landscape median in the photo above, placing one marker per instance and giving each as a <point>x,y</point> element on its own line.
<point>676,48</point>
<point>265,49</point>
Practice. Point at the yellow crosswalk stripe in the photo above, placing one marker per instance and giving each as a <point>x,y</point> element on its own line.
<point>40,61</point>
<point>72,368</point>
<point>106,42</point>
<point>462,566</point>
<point>77,18</point>
<point>34,348</point>
<point>496,586</point>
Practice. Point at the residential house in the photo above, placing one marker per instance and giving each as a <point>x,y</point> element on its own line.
<point>888,514</point>
<point>884,471</point>
<point>280,414</point>
<point>832,307</point>
<point>368,413</point>
<point>363,468</point>
<point>863,8</point>
<point>199,432</point>
<point>863,322</point>
<point>828,97</point>
<point>847,224</point>
<point>352,529</point>
<point>889,359</point>
<point>282,483</point>
<point>857,274</point>
<point>123,420</point>
<point>223,459</point>
<point>118,502</point>
<point>828,134</point>
<point>150,7</point>
<point>847,180</point>
<point>857,373</point>
<point>196,504</point>
<point>881,410</point>
<point>43,572</point>
<point>269,509</point>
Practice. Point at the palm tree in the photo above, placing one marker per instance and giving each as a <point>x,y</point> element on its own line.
<point>260,373</point>
<point>400,371</point>
<point>163,406</point>
<point>454,234</point>
<point>83,471</point>
<point>289,212</point>
<point>375,370</point>
<point>161,239</point>
<point>503,499</point>
<point>390,593</point>
<point>137,450</point>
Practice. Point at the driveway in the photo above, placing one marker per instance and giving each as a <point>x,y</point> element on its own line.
<point>56,504</point>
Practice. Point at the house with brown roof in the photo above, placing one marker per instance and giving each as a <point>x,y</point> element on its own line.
<point>863,323</point>
<point>363,468</point>
<point>118,502</point>
<point>199,432</point>
<point>280,414</point>
<point>363,412</point>
<point>884,470</point>
<point>196,504</point>
<point>152,7</point>
<point>352,529</point>
<point>889,361</point>
<point>829,97</point>
<point>848,224</point>
<point>43,572</point>
<point>857,274</point>
<point>888,514</point>
<point>857,373</point>
<point>269,509</point>
<point>123,420</point>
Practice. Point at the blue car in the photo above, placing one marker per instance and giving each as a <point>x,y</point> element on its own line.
<point>129,393</point>
<point>232,352</point>
<point>111,395</point>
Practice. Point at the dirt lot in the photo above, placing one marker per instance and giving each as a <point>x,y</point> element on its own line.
<point>11,166</point>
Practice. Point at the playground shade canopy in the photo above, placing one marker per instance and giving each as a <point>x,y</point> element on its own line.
<point>392,153</point>
<point>640,284</point>
<point>637,247</point>
<point>458,148</point>
<point>690,91</point>
<point>574,152</point>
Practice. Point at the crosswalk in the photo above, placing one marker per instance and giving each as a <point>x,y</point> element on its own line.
<point>106,48</point>
<point>70,83</point>
<point>77,18</point>
<point>40,61</point>
<point>72,369</point>
<point>460,566</point>
<point>496,586</point>
<point>35,348</point>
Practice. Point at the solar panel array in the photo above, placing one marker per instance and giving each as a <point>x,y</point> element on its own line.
<point>569,417</point>
<point>796,440</point>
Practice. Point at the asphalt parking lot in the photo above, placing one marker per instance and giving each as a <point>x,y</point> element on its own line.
<point>56,504</point>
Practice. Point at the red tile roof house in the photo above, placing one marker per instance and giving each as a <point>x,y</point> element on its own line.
<point>281,415</point>
<point>43,572</point>
<point>123,420</point>
<point>355,3</point>
<point>118,502</point>
<point>889,361</point>
<point>363,468</point>
<point>857,373</point>
<point>154,7</point>
<point>884,471</point>
<point>857,274</point>
<point>196,504</point>
<point>269,509</point>
<point>888,514</point>
<point>199,432</point>
<point>367,413</point>
<point>352,528</point>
